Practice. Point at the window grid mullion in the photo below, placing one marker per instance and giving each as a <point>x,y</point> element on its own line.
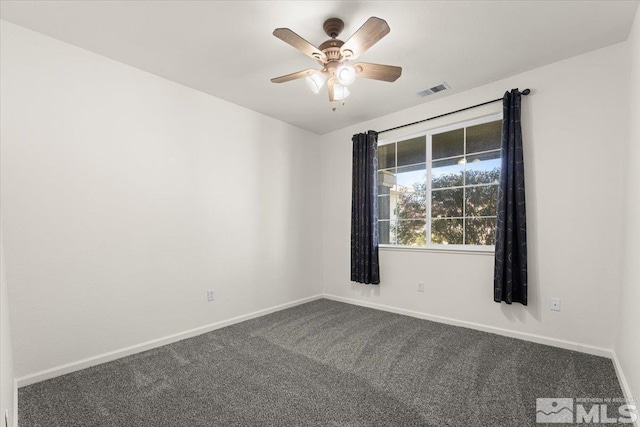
<point>464,187</point>
<point>428,188</point>
<point>441,218</point>
<point>468,186</point>
<point>496,150</point>
<point>395,171</point>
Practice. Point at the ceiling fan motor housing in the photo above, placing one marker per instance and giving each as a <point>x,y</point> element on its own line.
<point>331,48</point>
<point>333,27</point>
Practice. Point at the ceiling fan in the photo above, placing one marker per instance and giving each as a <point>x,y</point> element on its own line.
<point>334,56</point>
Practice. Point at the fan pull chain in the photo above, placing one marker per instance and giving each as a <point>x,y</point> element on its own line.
<point>333,103</point>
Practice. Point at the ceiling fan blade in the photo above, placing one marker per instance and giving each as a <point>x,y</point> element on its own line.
<point>289,37</point>
<point>366,36</point>
<point>330,87</point>
<point>293,76</point>
<point>387,73</point>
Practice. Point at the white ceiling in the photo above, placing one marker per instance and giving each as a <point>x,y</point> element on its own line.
<point>226,48</point>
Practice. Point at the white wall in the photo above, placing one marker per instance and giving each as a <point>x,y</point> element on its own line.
<point>574,126</point>
<point>628,342</point>
<point>126,196</point>
<point>7,386</point>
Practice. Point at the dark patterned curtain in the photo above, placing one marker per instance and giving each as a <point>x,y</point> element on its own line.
<point>364,209</point>
<point>510,273</point>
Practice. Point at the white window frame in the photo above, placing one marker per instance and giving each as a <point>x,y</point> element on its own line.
<point>431,247</point>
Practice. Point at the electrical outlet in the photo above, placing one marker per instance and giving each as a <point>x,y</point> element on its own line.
<point>211,296</point>
<point>420,286</point>
<point>555,304</point>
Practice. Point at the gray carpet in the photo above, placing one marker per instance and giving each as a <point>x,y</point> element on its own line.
<point>323,363</point>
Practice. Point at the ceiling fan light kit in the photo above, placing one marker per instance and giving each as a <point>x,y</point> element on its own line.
<point>334,56</point>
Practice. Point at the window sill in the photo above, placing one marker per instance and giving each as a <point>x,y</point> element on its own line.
<point>450,249</point>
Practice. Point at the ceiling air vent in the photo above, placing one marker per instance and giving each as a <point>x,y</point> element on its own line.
<point>435,89</point>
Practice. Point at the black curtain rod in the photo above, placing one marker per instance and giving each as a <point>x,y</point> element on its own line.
<point>524,92</point>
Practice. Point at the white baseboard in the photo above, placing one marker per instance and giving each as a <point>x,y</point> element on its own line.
<point>127,351</point>
<point>626,390</point>
<point>554,342</point>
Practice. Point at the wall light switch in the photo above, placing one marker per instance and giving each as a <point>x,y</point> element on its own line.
<point>211,296</point>
<point>555,304</point>
<point>420,286</point>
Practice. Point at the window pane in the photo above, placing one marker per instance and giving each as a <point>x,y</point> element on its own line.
<point>386,181</point>
<point>412,151</point>
<point>386,156</point>
<point>412,205</point>
<point>448,144</point>
<point>484,137</point>
<point>480,231</point>
<point>412,233</point>
<point>384,207</point>
<point>481,201</point>
<point>446,231</point>
<point>447,173</point>
<point>412,178</point>
<point>483,168</point>
<point>386,232</point>
<point>463,183</point>
<point>446,203</point>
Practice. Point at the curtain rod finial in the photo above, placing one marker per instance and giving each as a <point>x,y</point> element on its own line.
<point>526,91</point>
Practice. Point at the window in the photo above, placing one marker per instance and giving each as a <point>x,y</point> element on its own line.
<point>440,187</point>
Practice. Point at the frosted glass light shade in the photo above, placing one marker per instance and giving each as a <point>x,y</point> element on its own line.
<point>340,92</point>
<point>346,74</point>
<point>315,81</point>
